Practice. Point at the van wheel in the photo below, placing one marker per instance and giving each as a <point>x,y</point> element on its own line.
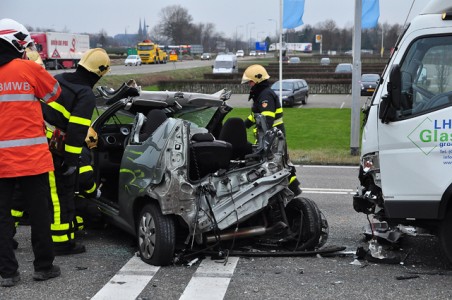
<point>445,235</point>
<point>156,236</point>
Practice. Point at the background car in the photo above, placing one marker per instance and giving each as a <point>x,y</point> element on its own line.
<point>325,61</point>
<point>293,91</point>
<point>369,84</point>
<point>133,60</point>
<point>344,68</point>
<point>294,60</point>
<point>253,53</point>
<point>205,56</point>
<point>240,53</point>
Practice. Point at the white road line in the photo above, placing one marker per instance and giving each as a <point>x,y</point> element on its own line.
<point>211,280</point>
<point>128,282</point>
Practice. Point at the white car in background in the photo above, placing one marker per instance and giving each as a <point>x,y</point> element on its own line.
<point>133,60</point>
<point>240,53</point>
<point>253,53</point>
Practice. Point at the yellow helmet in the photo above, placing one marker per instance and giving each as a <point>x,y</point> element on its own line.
<point>91,138</point>
<point>255,73</point>
<point>96,61</point>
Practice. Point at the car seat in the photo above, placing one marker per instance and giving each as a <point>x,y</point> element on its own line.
<point>234,132</point>
<point>208,155</point>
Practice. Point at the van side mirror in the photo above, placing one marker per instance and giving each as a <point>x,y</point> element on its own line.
<point>390,103</point>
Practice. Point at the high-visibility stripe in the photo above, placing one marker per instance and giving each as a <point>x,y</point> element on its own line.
<point>60,227</point>
<point>52,93</point>
<point>17,97</point>
<point>62,238</point>
<point>92,189</point>
<point>268,113</point>
<point>279,110</point>
<point>23,142</point>
<point>85,169</point>
<point>58,107</point>
<point>251,118</point>
<point>55,199</point>
<point>17,213</point>
<point>81,121</point>
<point>292,179</point>
<point>72,149</point>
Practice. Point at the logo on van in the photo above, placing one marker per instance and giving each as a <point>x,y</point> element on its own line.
<point>430,134</point>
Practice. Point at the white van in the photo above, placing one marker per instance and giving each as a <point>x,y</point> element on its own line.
<point>406,154</point>
<point>225,64</point>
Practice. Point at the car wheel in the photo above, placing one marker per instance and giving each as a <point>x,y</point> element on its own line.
<point>445,235</point>
<point>291,102</point>
<point>308,224</point>
<point>156,235</point>
<point>305,99</point>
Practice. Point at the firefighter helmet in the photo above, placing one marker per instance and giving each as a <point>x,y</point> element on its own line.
<point>91,138</point>
<point>96,61</point>
<point>15,34</point>
<point>255,73</point>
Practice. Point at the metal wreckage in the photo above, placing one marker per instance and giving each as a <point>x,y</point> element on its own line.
<point>184,180</point>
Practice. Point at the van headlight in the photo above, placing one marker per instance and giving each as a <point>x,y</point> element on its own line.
<point>371,162</point>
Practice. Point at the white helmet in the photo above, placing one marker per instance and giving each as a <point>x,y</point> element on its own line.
<point>15,34</point>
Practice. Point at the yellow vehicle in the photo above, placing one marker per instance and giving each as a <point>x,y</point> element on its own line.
<point>151,53</point>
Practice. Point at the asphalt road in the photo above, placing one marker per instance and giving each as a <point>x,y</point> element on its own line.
<point>110,261</point>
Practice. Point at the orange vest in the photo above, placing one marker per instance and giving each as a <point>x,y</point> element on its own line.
<point>24,149</point>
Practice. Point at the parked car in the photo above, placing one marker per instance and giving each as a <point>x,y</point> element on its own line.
<point>344,68</point>
<point>240,53</point>
<point>174,174</point>
<point>369,83</point>
<point>293,91</point>
<point>294,60</point>
<point>133,60</point>
<point>253,53</point>
<point>205,56</point>
<point>325,61</point>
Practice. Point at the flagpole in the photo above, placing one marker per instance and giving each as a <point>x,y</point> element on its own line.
<point>281,3</point>
<point>356,77</point>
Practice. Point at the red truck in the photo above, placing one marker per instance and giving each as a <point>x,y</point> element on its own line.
<point>60,50</point>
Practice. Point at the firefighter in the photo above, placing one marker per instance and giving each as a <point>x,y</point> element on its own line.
<point>267,103</point>
<point>87,212</point>
<point>69,118</point>
<point>25,157</point>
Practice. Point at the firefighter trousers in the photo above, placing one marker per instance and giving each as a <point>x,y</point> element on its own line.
<point>62,208</point>
<point>36,199</point>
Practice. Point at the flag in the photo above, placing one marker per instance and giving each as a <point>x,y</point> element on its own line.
<point>292,13</point>
<point>370,13</point>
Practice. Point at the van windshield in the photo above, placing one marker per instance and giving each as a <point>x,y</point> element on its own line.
<point>223,64</point>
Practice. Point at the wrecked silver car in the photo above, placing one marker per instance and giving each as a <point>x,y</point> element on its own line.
<point>180,176</point>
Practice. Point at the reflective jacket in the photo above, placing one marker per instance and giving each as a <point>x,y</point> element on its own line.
<point>71,113</point>
<point>265,102</point>
<point>24,149</point>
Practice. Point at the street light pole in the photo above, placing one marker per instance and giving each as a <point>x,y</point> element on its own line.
<point>236,35</point>
<point>276,27</point>
<point>246,33</point>
<point>249,40</point>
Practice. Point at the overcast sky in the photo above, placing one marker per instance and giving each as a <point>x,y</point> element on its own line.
<point>229,16</point>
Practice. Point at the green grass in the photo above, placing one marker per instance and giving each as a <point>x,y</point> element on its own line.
<point>315,135</point>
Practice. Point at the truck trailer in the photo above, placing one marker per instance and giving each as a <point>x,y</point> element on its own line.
<point>60,50</point>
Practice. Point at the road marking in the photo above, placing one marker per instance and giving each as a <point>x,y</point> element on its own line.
<point>211,280</point>
<point>328,191</point>
<point>128,282</point>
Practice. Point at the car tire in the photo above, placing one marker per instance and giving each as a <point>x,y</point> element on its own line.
<point>312,233</point>
<point>291,102</point>
<point>156,236</point>
<point>305,100</point>
<point>445,235</point>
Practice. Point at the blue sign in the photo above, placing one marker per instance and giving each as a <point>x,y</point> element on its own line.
<point>261,46</point>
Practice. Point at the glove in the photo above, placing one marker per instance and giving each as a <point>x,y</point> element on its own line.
<point>69,170</point>
<point>98,193</point>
